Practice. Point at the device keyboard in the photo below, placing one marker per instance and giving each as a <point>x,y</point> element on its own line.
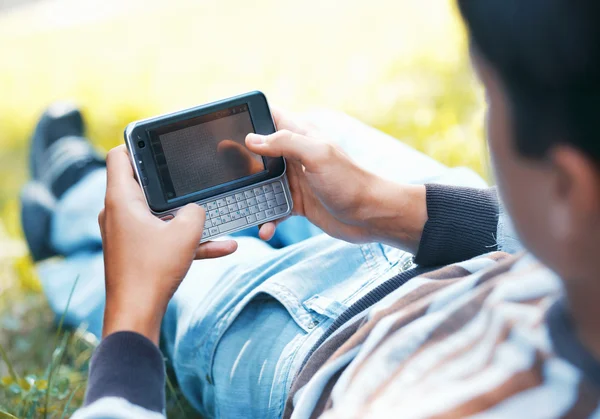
<point>246,208</point>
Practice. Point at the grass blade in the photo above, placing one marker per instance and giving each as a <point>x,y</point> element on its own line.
<point>69,401</point>
<point>55,365</point>
<point>172,390</point>
<point>6,415</point>
<point>64,314</point>
<point>11,370</point>
<point>61,348</point>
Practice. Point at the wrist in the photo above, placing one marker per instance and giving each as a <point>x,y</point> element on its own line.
<point>394,213</point>
<point>136,314</point>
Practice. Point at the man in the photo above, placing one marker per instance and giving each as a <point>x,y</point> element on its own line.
<point>497,335</point>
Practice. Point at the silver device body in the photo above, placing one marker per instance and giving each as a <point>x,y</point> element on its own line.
<point>170,214</point>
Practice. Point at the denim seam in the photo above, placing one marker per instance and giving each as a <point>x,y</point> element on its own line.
<point>291,300</point>
<point>288,367</point>
<point>374,276</point>
<point>289,360</point>
<point>333,308</point>
<point>368,256</point>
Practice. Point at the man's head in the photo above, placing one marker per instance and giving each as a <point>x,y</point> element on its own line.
<point>540,63</point>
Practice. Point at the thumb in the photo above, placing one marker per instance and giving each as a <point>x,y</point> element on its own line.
<point>189,223</point>
<point>308,151</point>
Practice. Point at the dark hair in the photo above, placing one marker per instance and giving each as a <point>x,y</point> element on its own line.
<point>546,54</point>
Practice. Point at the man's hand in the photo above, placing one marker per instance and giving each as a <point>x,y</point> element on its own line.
<point>145,258</point>
<point>338,196</point>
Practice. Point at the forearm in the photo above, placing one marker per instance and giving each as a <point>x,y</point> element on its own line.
<point>395,214</point>
<point>439,224</point>
<point>133,313</point>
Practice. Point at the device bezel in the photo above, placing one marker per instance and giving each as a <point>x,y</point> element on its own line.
<point>145,166</point>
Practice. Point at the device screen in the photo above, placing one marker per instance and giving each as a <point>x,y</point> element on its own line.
<point>204,152</point>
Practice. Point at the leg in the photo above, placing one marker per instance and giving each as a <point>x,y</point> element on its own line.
<point>74,233</point>
<point>238,328</point>
<point>385,155</point>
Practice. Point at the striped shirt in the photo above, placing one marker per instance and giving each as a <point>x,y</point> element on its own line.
<point>471,339</point>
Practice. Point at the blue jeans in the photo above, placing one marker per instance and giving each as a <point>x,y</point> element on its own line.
<point>238,327</point>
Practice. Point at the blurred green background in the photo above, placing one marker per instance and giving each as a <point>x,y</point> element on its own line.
<point>399,65</point>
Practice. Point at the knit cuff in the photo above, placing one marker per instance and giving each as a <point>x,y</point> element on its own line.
<point>129,366</point>
<point>462,224</point>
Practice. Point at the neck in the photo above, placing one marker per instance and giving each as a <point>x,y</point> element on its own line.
<point>584,307</point>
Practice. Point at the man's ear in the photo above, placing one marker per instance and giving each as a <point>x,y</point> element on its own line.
<point>576,190</point>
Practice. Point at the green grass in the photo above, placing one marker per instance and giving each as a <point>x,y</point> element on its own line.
<point>399,65</point>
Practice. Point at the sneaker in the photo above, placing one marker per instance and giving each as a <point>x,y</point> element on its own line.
<point>60,154</point>
<point>37,207</point>
<point>60,157</point>
<point>58,121</point>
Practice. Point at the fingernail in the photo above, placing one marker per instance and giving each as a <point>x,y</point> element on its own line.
<point>256,139</point>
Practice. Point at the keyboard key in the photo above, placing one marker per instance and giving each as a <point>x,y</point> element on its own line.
<point>280,198</point>
<point>263,206</point>
<point>251,218</point>
<point>277,188</point>
<point>214,230</point>
<point>205,234</point>
<point>269,196</point>
<point>260,215</point>
<point>235,215</point>
<point>216,221</point>
<point>221,202</point>
<point>261,198</point>
<point>249,194</point>
<point>204,206</point>
<point>207,224</point>
<point>230,200</point>
<point>270,213</point>
<point>251,201</point>
<point>224,210</point>
<point>245,212</point>
<point>254,209</point>
<point>272,204</point>
<point>232,207</point>
<point>232,225</point>
<point>267,188</point>
<point>211,205</point>
<point>214,213</point>
<point>282,209</point>
<point>239,197</point>
<point>226,218</point>
<point>242,204</point>
<point>257,191</point>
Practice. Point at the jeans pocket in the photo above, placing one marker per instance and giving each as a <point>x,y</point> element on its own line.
<point>304,316</point>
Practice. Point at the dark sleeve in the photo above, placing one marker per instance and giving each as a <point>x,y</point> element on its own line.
<point>130,366</point>
<point>462,224</point>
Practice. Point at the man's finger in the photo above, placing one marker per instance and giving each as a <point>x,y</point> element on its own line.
<point>216,249</point>
<point>119,173</point>
<point>189,222</point>
<point>308,151</point>
<point>267,231</point>
<point>238,158</point>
